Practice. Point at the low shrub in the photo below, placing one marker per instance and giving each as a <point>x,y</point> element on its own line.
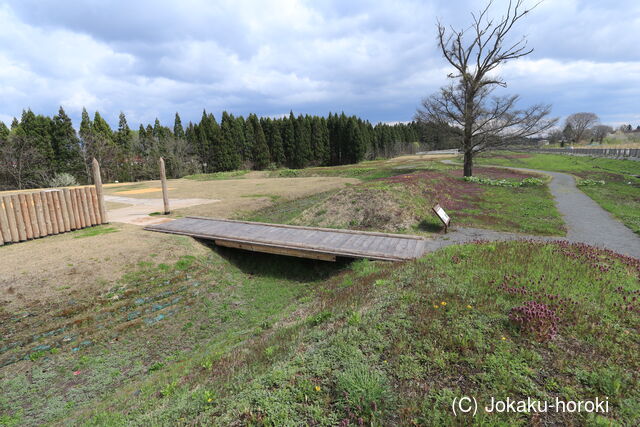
<point>288,173</point>
<point>63,180</point>
<point>589,182</point>
<point>527,182</point>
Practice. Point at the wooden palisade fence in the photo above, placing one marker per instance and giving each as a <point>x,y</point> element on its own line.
<point>27,216</point>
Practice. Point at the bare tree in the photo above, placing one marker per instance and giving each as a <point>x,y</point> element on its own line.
<point>580,124</point>
<point>555,136</point>
<point>466,103</point>
<point>599,132</point>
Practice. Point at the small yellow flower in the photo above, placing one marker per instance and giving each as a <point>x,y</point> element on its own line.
<point>317,388</point>
<point>210,400</point>
<point>504,339</point>
<point>385,361</point>
<point>435,306</point>
<point>443,303</point>
<point>469,307</point>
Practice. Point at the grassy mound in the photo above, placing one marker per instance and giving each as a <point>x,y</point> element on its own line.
<point>363,207</point>
<point>403,202</point>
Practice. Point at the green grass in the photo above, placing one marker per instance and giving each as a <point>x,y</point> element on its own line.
<point>393,344</point>
<point>620,194</point>
<point>216,175</point>
<point>94,231</point>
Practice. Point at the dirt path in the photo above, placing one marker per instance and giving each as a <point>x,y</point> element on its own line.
<point>585,220</point>
<point>138,211</point>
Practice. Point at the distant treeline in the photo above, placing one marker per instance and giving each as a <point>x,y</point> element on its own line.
<point>40,151</point>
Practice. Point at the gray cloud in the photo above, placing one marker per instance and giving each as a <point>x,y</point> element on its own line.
<point>150,59</point>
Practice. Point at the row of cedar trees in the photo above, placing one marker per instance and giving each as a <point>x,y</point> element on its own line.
<point>37,148</point>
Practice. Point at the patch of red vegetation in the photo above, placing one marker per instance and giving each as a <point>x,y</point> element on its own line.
<point>442,187</point>
<point>496,173</point>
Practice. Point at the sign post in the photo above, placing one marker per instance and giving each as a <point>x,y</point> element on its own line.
<point>437,209</point>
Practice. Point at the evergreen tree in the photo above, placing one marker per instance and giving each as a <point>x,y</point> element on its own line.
<point>4,131</point>
<point>324,142</point>
<point>288,138</point>
<point>356,147</point>
<point>277,150</point>
<point>178,130</point>
<point>249,139</point>
<point>229,156</point>
<point>102,128</point>
<point>142,139</point>
<point>86,126</point>
<point>66,145</point>
<point>123,137</point>
<point>316,141</point>
<point>302,148</point>
<point>261,155</point>
<point>37,130</point>
<point>238,138</point>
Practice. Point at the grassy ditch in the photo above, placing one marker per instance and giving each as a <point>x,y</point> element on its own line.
<point>393,344</point>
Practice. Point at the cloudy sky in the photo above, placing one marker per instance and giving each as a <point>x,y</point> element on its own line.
<point>374,59</point>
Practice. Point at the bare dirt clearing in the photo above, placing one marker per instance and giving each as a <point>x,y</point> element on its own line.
<point>72,266</point>
<point>232,196</point>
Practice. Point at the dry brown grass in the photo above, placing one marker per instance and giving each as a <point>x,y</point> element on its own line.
<point>238,195</point>
<point>361,208</point>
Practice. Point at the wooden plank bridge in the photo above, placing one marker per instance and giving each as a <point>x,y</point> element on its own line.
<point>304,242</point>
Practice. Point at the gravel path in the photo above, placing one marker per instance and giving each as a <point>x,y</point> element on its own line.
<point>585,220</point>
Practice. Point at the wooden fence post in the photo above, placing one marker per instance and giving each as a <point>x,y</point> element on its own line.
<point>85,206</point>
<point>52,212</point>
<point>17,211</point>
<point>25,216</point>
<point>97,181</point>
<point>58,211</point>
<point>72,217</point>
<point>96,205</point>
<point>4,221</point>
<point>45,211</point>
<point>11,217</point>
<point>42,223</point>
<point>78,199</point>
<point>31,205</point>
<point>165,191</point>
<point>92,213</point>
<point>65,211</point>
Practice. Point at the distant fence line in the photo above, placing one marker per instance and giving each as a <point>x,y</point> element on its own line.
<point>31,215</point>
<point>616,153</point>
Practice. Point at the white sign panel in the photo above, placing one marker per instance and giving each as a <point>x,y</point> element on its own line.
<point>442,214</point>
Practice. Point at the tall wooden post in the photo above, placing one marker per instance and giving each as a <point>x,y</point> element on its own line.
<point>165,191</point>
<point>97,181</point>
